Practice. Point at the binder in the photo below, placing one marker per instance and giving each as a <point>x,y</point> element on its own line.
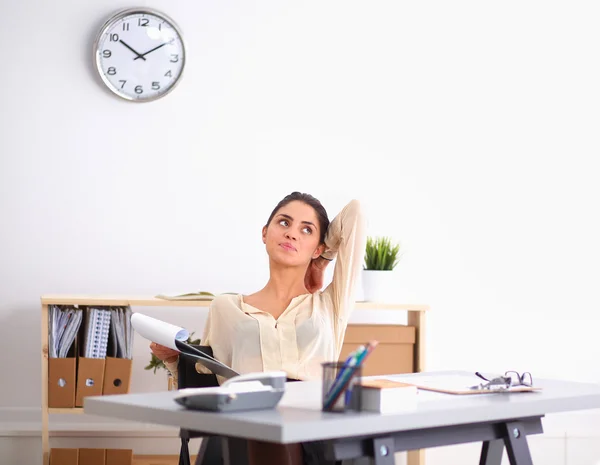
<point>63,324</point>
<point>173,336</point>
<point>95,332</point>
<point>117,369</point>
<point>64,456</point>
<point>92,456</point>
<point>119,457</point>
<point>90,363</point>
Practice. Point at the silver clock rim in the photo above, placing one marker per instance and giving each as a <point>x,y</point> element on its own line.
<point>120,15</point>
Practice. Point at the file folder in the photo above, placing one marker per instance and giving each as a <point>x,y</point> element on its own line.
<point>117,375</point>
<point>92,352</point>
<point>92,456</point>
<point>64,456</point>
<point>64,322</point>
<point>119,457</point>
<point>61,382</point>
<point>90,378</point>
<point>117,369</point>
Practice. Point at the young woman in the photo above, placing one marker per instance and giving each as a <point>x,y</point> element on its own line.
<point>290,324</point>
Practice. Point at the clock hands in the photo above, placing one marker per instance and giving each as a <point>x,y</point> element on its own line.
<point>138,55</point>
<point>155,48</point>
<point>143,55</point>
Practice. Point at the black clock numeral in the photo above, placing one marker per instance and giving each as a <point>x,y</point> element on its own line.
<point>112,71</point>
<point>125,26</point>
<point>114,37</point>
<point>174,58</point>
<point>123,82</point>
<point>160,26</point>
<point>138,89</point>
<point>143,22</point>
<point>106,53</point>
<point>168,74</point>
<point>156,85</point>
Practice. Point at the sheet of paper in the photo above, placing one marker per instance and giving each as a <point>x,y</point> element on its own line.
<point>450,382</point>
<point>158,331</point>
<point>63,326</point>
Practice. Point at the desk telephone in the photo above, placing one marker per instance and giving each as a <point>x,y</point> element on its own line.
<point>250,391</point>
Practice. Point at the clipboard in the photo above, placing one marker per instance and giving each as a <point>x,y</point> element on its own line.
<point>461,385</point>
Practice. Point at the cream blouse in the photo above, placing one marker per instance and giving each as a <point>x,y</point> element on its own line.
<point>309,331</point>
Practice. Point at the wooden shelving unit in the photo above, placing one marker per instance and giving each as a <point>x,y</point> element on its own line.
<point>416,318</point>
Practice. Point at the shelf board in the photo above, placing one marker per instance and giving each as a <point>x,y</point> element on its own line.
<point>390,306</point>
<point>72,411</point>
<point>145,301</point>
<point>115,300</point>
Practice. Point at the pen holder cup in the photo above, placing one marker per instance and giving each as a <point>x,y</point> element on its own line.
<point>340,391</point>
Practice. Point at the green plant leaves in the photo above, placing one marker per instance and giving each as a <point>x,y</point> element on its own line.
<point>156,363</point>
<point>381,254</point>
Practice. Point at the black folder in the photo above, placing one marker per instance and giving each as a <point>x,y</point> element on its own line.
<point>205,359</point>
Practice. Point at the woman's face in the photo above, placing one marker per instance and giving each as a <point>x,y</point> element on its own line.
<point>292,237</point>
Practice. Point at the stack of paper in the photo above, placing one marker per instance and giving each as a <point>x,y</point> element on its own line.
<point>385,396</point>
<point>63,325</point>
<point>121,333</point>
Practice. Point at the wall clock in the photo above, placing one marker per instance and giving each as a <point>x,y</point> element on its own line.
<point>140,54</point>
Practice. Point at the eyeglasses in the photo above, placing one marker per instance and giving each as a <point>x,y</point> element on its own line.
<point>520,379</point>
<point>510,379</point>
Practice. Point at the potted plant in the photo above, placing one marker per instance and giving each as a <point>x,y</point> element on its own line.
<point>381,257</point>
<point>156,363</point>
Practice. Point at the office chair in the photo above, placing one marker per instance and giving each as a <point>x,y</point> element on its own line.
<point>213,447</point>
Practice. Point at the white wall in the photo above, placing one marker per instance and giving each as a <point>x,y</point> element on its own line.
<point>468,130</point>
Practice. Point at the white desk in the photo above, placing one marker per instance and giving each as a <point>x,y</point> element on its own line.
<point>497,420</point>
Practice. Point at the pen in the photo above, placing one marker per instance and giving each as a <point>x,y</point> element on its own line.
<point>348,374</point>
<point>348,365</point>
<point>359,361</point>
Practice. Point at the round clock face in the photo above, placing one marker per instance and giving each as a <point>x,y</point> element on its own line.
<point>140,54</point>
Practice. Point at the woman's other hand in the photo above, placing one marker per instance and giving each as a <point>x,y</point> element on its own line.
<point>165,354</point>
<point>313,280</point>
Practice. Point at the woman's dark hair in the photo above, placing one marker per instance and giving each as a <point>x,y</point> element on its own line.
<point>308,200</point>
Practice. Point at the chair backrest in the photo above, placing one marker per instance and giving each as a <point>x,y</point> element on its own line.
<point>187,376</point>
<point>211,449</point>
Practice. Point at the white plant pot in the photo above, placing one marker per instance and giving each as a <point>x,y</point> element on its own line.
<point>378,285</point>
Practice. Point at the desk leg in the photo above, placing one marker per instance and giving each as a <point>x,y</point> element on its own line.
<point>491,452</point>
<point>45,432</point>
<point>415,457</point>
<point>383,451</point>
<point>417,319</point>
<point>516,444</point>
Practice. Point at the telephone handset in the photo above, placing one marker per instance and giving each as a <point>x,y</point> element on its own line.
<point>249,391</point>
<point>264,377</point>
